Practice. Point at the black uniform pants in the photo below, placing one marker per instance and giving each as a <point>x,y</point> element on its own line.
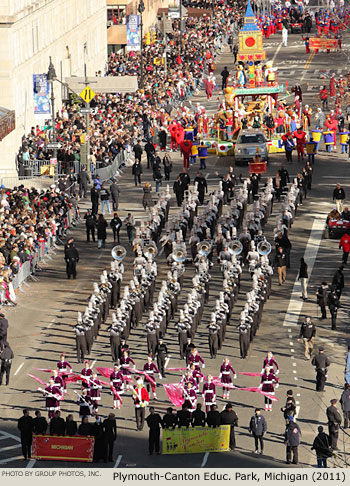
<point>345,257</point>
<point>334,317</point>
<point>26,443</point>
<point>257,439</point>
<point>333,430</point>
<point>71,268</point>
<point>151,344</point>
<point>140,417</point>
<point>5,369</point>
<point>116,235</point>
<point>161,364</point>
<point>90,231</point>
<point>232,438</point>
<point>154,440</point>
<point>323,311</point>
<point>320,380</point>
<point>109,449</point>
<point>213,345</point>
<point>81,348</point>
<point>115,343</point>
<point>94,208</point>
<point>292,450</point>
<point>244,344</point>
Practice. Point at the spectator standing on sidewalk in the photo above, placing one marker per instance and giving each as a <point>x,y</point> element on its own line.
<point>345,405</point>
<point>104,196</point>
<point>115,193</point>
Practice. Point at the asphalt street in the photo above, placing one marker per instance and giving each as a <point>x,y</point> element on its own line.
<point>41,324</point>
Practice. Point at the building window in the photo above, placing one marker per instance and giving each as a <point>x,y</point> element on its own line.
<point>116,15</point>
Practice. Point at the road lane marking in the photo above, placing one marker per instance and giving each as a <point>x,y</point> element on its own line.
<point>277,51</point>
<point>31,463</point>
<point>295,303</point>
<point>7,435</point>
<point>19,369</point>
<point>205,459</point>
<point>117,462</point>
<point>9,448</point>
<point>10,459</point>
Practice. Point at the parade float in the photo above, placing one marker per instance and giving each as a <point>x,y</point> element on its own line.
<point>251,94</point>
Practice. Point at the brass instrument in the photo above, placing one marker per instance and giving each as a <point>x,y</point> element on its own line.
<point>150,250</point>
<point>235,247</point>
<point>204,247</point>
<point>118,253</point>
<point>264,248</point>
<point>178,254</point>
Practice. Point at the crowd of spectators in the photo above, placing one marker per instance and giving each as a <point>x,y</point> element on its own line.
<point>28,220</point>
<point>121,120</point>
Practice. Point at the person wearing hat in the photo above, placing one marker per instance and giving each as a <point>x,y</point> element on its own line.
<point>322,295</point>
<point>258,427</point>
<point>71,257</point>
<point>116,224</point>
<point>229,417</point>
<point>321,363</point>
<point>110,435</point>
<point>154,422</point>
<point>6,358</point>
<point>334,421</point>
<point>292,437</point>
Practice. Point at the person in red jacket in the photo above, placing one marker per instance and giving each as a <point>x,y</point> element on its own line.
<point>345,244</point>
<point>324,97</point>
<point>299,134</point>
<point>186,149</point>
<point>141,400</point>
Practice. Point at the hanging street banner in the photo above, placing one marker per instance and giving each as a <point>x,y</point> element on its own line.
<point>196,439</point>
<point>41,93</point>
<point>133,35</point>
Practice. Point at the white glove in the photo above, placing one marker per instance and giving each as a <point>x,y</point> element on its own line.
<point>160,376</point>
<point>260,386</point>
<point>234,376</point>
<point>277,385</point>
<point>203,365</point>
<point>277,372</point>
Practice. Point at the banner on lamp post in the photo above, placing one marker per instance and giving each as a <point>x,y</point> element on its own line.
<point>41,94</point>
<point>133,35</point>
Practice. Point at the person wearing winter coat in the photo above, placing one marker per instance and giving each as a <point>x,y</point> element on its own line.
<point>147,201</point>
<point>258,427</point>
<point>292,437</point>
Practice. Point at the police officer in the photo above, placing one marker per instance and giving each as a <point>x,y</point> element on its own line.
<point>321,363</point>
<point>334,421</point>
<point>71,257</point>
<point>333,305</point>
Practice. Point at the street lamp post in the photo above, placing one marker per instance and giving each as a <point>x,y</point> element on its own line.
<point>141,9</point>
<point>51,76</point>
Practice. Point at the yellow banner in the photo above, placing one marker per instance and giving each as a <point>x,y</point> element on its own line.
<point>196,439</point>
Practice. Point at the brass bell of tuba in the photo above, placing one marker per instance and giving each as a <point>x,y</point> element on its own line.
<point>264,248</point>
<point>151,250</point>
<point>118,253</point>
<point>204,248</point>
<point>179,254</point>
<point>235,247</point>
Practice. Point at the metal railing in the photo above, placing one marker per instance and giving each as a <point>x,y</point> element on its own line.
<point>43,250</point>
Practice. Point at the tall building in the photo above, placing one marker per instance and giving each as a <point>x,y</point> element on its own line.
<point>72,32</point>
